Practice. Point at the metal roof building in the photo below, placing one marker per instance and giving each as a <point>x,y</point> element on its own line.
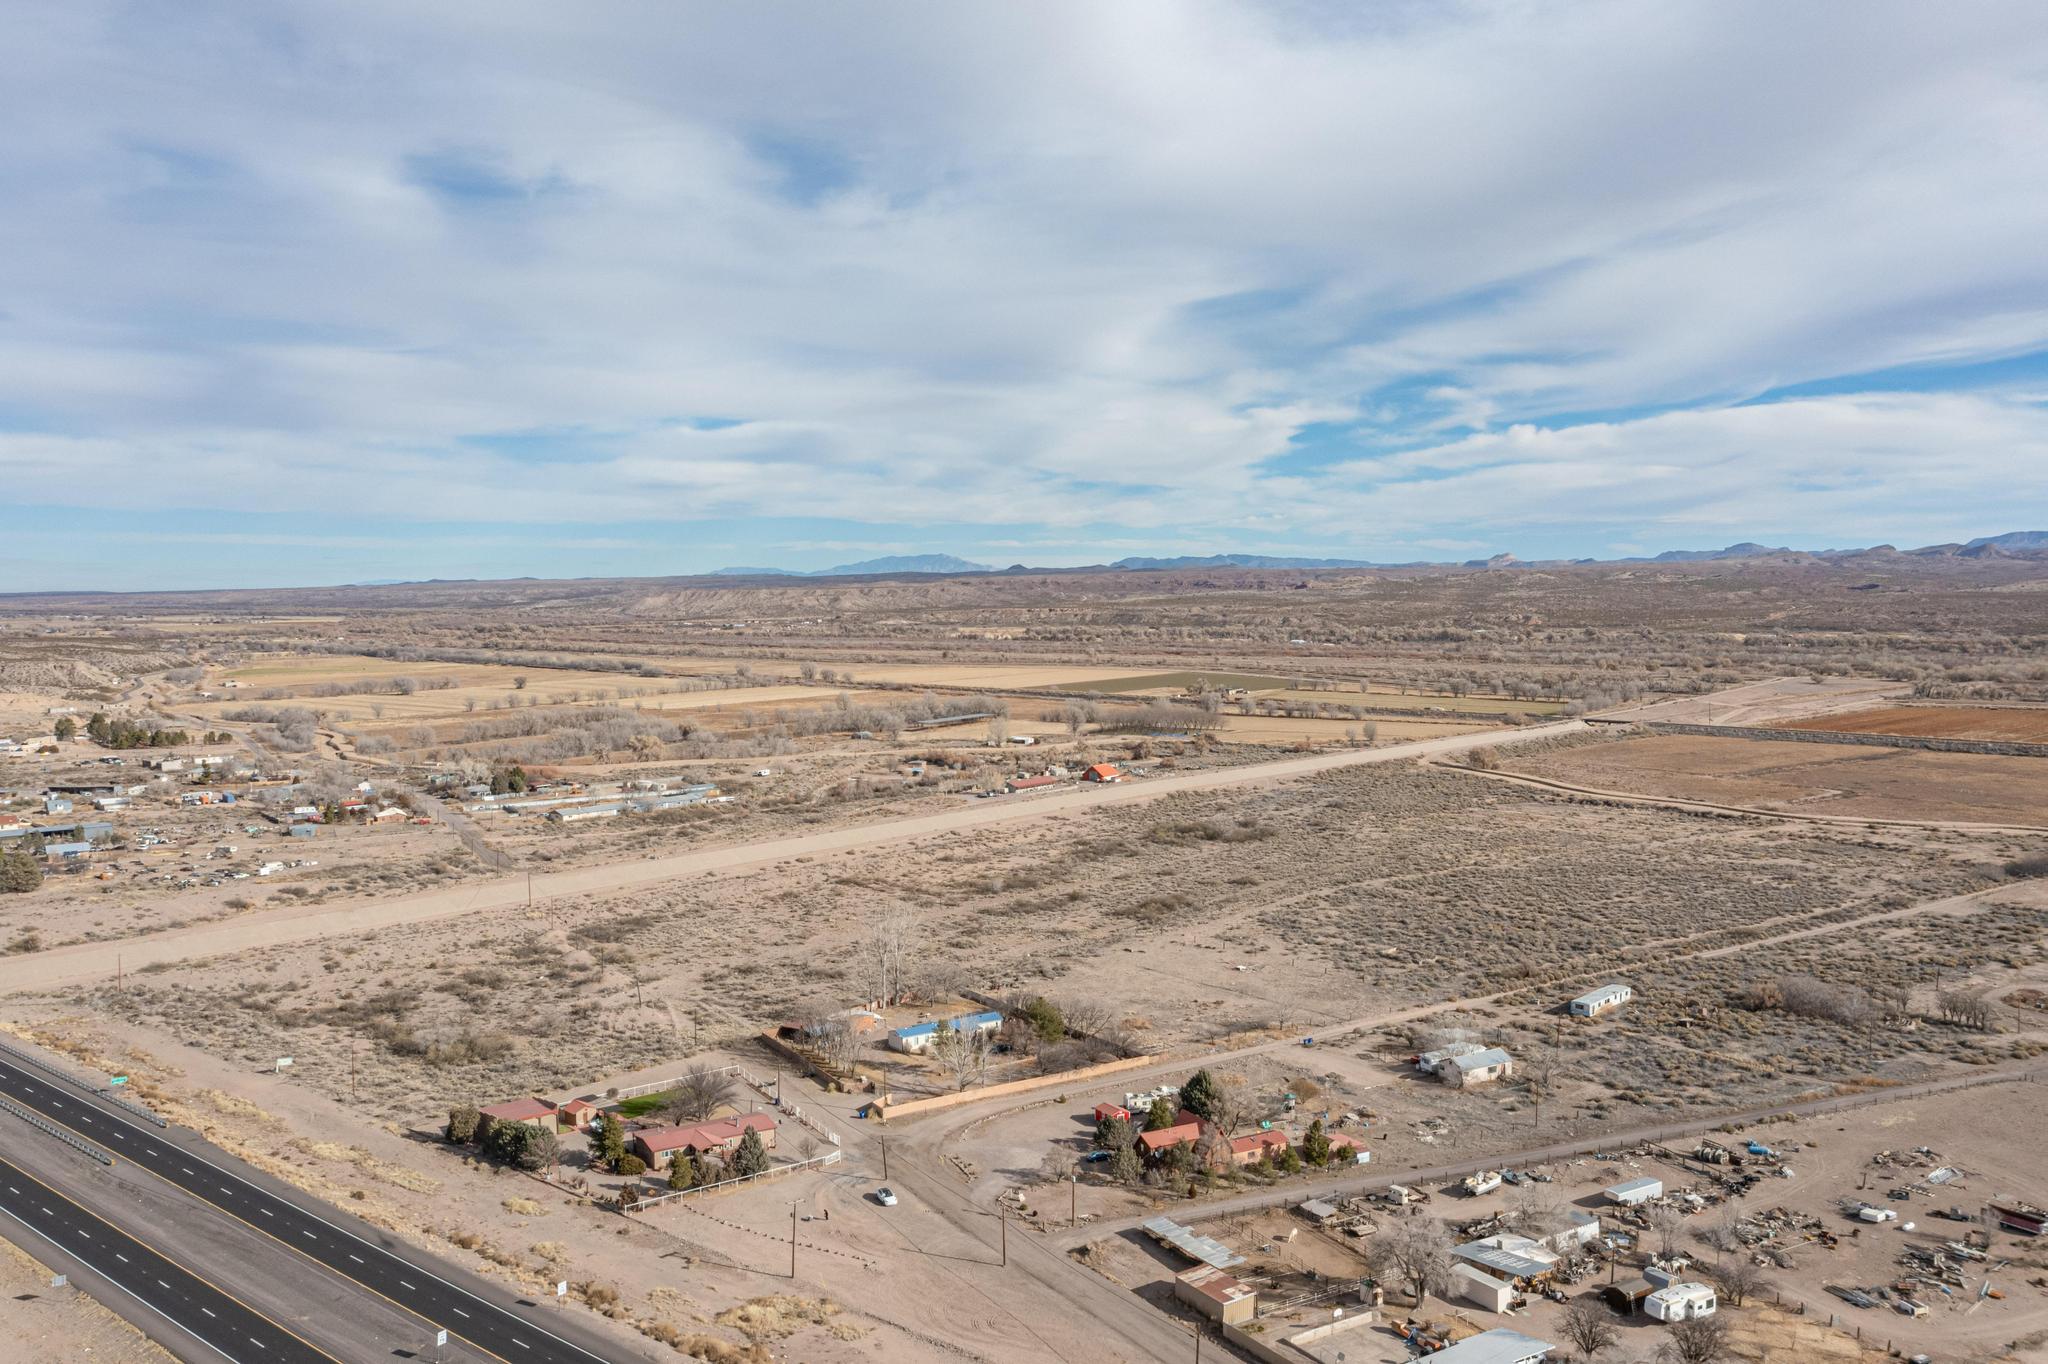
<point>1192,1244</point>
<point>1494,1347</point>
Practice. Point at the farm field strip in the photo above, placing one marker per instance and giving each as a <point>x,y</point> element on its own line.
<point>2012,724</point>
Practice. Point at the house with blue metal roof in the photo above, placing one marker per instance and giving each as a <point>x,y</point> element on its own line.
<point>920,1036</point>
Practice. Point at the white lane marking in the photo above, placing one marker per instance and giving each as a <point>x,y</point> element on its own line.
<point>122,1258</point>
<point>161,1284</point>
<point>357,1258</point>
<point>460,1313</point>
<point>403,1284</point>
<point>266,1212</point>
<point>578,1350</point>
<point>207,1310</point>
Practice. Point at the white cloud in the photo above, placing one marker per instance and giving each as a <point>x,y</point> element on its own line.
<point>965,263</point>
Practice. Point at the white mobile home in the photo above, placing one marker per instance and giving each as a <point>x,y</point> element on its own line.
<point>1633,1191</point>
<point>1606,999</point>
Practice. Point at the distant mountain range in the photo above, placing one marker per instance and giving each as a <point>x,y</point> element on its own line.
<point>895,563</point>
<point>2019,542</point>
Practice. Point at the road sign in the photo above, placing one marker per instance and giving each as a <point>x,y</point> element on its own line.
<point>283,1061</point>
<point>440,1339</point>
<point>118,1080</point>
<point>561,1288</point>
<point>59,1280</point>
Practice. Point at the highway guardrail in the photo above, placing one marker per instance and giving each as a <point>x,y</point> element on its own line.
<point>63,1134</point>
<point>104,1091</point>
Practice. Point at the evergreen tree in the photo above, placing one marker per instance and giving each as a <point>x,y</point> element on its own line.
<point>1113,1134</point>
<point>1160,1115</point>
<point>609,1140</point>
<point>462,1121</point>
<point>682,1171</point>
<point>1315,1144</point>
<point>19,871</point>
<point>751,1158</point>
<point>67,728</point>
<point>1125,1167</point>
<point>1201,1096</point>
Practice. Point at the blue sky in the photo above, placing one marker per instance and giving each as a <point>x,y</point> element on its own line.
<point>397,291</point>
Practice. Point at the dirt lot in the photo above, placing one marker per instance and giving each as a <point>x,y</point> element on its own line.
<point>1881,783</point>
<point>1199,914</point>
<point>63,1325</point>
<point>2019,724</point>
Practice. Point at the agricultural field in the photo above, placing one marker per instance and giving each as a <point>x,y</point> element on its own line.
<point>1809,778</point>
<point>2010,723</point>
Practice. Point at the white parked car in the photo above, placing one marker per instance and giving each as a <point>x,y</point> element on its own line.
<point>886,1196</point>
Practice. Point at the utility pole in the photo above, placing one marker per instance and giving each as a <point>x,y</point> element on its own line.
<point>792,1241</point>
<point>1003,1219</point>
<point>885,1158</point>
<point>352,1069</point>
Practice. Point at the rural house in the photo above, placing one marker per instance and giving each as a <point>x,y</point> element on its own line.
<point>1257,1146</point>
<point>1102,772</point>
<point>658,1145</point>
<point>1478,1068</point>
<point>1428,1061</point>
<point>1606,999</point>
<point>533,1112</point>
<point>577,1114</point>
<point>1156,1144</point>
<point>918,1037</point>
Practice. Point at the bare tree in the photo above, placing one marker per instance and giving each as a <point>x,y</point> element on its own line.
<point>884,957</point>
<point>1417,1252</point>
<point>698,1094</point>
<point>1588,1325</point>
<point>1697,1340</point>
<point>1738,1280</point>
<point>963,1053</point>
<point>998,730</point>
<point>1665,1221</point>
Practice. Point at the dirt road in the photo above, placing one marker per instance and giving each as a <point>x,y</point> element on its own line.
<point>270,928</point>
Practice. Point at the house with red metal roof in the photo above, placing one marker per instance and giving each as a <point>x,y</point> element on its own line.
<point>658,1145</point>
<point>533,1112</point>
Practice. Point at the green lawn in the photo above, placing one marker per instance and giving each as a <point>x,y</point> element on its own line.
<point>645,1104</point>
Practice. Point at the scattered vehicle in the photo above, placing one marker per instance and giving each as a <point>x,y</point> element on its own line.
<point>1485,1182</point>
<point>886,1196</point>
<point>1866,1213</point>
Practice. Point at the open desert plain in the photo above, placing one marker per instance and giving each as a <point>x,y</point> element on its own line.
<point>1253,681</point>
<point>622,956</point>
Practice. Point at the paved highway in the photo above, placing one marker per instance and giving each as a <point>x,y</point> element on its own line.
<point>207,1314</point>
<point>489,1327</point>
